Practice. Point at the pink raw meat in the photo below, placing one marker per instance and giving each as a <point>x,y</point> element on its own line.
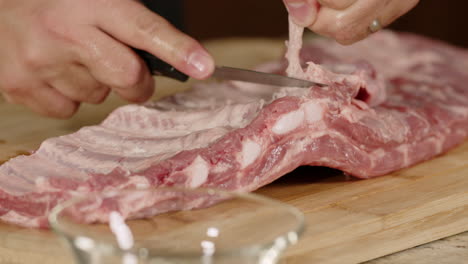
<point>393,100</point>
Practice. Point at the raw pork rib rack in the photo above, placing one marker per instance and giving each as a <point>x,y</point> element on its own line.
<point>393,100</point>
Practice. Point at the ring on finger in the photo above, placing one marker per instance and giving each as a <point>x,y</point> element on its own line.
<point>375,26</point>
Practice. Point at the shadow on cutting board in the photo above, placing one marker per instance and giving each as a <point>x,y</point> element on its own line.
<point>311,174</point>
<point>306,181</point>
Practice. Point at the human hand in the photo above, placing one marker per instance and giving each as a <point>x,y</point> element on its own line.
<point>55,54</point>
<point>347,21</point>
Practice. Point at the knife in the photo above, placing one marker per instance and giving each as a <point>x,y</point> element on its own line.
<point>160,68</point>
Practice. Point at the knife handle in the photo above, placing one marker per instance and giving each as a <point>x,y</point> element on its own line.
<point>159,67</point>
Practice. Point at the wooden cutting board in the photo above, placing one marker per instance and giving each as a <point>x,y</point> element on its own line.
<point>348,220</point>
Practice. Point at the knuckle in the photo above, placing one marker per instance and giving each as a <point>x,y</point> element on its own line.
<point>149,24</point>
<point>145,95</point>
<point>346,32</point>
<point>13,85</point>
<point>137,96</point>
<point>348,37</point>
<point>98,96</point>
<point>345,41</point>
<point>56,27</point>
<point>33,58</point>
<point>63,111</point>
<point>185,47</point>
<point>134,71</point>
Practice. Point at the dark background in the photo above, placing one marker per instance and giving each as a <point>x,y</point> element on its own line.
<point>206,19</point>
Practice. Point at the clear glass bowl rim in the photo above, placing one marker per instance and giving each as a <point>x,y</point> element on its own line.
<point>250,250</point>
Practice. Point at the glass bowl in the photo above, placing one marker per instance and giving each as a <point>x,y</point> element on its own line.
<point>174,225</point>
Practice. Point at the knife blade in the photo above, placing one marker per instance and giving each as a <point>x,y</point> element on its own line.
<point>161,68</point>
<point>237,74</point>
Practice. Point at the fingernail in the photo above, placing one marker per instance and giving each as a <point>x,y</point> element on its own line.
<point>201,63</point>
<point>300,10</point>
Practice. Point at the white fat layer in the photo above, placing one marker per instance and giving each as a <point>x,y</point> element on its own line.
<point>438,142</point>
<point>140,182</point>
<point>102,157</point>
<point>42,183</point>
<point>153,122</point>
<point>221,167</point>
<point>197,172</point>
<point>288,122</point>
<point>250,152</point>
<point>379,153</point>
<point>294,153</point>
<point>313,111</point>
<point>404,149</point>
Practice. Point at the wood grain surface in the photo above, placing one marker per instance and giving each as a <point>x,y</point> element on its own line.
<point>348,220</point>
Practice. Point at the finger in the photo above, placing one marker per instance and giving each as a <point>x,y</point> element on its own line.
<point>19,85</point>
<point>337,4</point>
<point>394,9</point>
<point>135,25</point>
<point>347,26</point>
<point>134,95</point>
<point>114,65</point>
<point>351,25</point>
<point>46,101</point>
<point>79,85</point>
<point>303,12</point>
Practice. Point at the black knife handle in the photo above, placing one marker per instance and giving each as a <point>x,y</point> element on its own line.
<point>159,67</point>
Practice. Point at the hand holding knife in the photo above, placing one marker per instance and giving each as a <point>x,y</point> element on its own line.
<point>161,68</point>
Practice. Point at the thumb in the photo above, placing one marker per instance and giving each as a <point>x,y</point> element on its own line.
<point>303,12</point>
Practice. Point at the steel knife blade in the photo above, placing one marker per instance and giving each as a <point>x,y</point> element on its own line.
<point>238,74</point>
<point>160,67</point>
